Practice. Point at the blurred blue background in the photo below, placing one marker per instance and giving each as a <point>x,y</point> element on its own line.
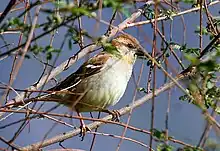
<point>186,123</point>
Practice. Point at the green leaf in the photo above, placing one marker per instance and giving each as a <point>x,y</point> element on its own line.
<point>191,149</point>
<point>49,49</point>
<point>208,66</point>
<point>36,49</point>
<point>126,11</point>
<point>194,60</point>
<point>49,56</point>
<point>189,1</point>
<point>164,147</point>
<point>158,134</point>
<point>116,4</point>
<point>149,13</point>
<point>217,110</point>
<point>210,84</point>
<point>193,87</point>
<point>204,30</point>
<point>78,11</point>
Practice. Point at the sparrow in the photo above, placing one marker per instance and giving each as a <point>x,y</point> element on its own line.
<point>101,81</point>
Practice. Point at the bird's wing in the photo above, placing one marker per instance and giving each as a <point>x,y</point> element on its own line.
<point>89,68</point>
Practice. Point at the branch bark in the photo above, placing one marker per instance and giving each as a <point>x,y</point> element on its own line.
<point>73,59</point>
<point>94,125</point>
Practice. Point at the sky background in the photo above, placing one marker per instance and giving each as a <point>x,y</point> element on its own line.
<point>185,120</point>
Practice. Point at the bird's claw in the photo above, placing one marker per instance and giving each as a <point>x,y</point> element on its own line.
<point>83,130</point>
<point>115,115</point>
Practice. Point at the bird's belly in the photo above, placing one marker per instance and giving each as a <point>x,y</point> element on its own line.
<point>102,91</point>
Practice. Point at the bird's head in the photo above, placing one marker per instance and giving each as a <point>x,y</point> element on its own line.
<point>128,47</point>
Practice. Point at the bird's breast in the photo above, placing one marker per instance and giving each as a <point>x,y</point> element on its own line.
<point>106,87</point>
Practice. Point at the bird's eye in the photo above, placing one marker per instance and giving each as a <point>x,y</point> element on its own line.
<point>130,46</point>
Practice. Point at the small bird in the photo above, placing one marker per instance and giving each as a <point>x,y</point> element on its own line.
<point>101,81</point>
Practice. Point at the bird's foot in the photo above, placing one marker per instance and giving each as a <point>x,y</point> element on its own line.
<point>83,130</point>
<point>115,115</point>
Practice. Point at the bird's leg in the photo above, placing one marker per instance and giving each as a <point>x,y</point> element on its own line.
<point>83,127</point>
<point>115,114</point>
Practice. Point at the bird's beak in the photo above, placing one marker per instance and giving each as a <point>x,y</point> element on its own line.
<point>140,52</point>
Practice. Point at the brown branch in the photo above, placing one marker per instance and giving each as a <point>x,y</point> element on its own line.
<point>12,77</point>
<point>130,112</point>
<point>154,72</point>
<point>79,55</point>
<point>174,15</point>
<point>7,10</point>
<point>94,125</point>
<point>19,63</point>
<point>125,138</point>
<point>9,144</point>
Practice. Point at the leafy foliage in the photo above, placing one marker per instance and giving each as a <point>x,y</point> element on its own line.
<point>204,84</point>
<point>15,24</point>
<point>164,147</point>
<point>48,50</point>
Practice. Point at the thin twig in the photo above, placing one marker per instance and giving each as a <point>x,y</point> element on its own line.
<point>73,59</point>
<point>19,63</point>
<point>173,15</point>
<point>7,10</point>
<point>130,113</point>
<point>125,138</point>
<point>93,125</point>
<point>9,144</point>
<point>154,72</point>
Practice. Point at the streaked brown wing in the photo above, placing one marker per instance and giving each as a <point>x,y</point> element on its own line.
<point>89,68</point>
